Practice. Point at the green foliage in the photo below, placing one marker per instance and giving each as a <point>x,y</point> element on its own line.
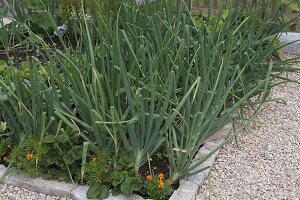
<point>156,188</point>
<point>122,178</point>
<point>63,157</point>
<point>98,168</point>
<point>98,191</point>
<point>52,156</point>
<point>117,178</point>
<point>27,155</point>
<point>137,82</point>
<point>34,13</point>
<point>8,71</point>
<point>5,143</point>
<point>130,185</point>
<point>293,5</point>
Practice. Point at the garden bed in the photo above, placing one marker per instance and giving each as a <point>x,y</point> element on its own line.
<point>188,189</point>
<point>127,108</point>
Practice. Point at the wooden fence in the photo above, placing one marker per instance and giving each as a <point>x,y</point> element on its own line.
<point>201,6</point>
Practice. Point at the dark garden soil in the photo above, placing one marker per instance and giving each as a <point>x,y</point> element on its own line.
<point>18,55</point>
<point>158,164</point>
<point>4,160</point>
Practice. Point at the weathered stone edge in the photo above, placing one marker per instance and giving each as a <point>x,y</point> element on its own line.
<point>291,39</point>
<point>5,21</point>
<point>187,190</point>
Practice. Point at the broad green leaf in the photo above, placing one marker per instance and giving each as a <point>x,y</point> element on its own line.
<point>49,139</point>
<point>117,178</point>
<point>103,192</point>
<point>93,191</point>
<point>70,157</point>
<point>62,138</point>
<point>131,184</point>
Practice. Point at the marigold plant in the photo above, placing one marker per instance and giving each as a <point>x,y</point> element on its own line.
<point>29,156</point>
<point>157,187</point>
<point>5,158</point>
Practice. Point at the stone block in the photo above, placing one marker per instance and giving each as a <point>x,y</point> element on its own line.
<point>79,193</point>
<point>293,48</point>
<point>50,187</point>
<point>5,21</point>
<point>186,191</point>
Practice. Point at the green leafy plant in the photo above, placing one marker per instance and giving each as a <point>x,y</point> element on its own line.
<point>26,156</point>
<point>98,191</point>
<point>63,158</point>
<point>122,178</point>
<point>5,144</point>
<point>157,187</point>
<point>37,14</point>
<point>98,168</point>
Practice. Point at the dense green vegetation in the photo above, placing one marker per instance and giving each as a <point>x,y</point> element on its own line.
<point>128,83</point>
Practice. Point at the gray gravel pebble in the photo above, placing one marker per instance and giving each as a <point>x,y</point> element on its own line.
<point>267,163</point>
<point>8,192</point>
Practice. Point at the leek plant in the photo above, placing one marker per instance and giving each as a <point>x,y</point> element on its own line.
<point>140,82</point>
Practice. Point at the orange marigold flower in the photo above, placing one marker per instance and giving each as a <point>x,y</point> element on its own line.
<point>161,184</point>
<point>29,156</point>
<point>94,159</point>
<point>5,158</point>
<point>149,177</point>
<point>161,176</point>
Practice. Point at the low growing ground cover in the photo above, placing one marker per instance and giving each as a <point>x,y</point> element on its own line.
<point>126,98</point>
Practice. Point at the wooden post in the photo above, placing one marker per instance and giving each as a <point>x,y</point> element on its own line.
<point>197,4</point>
<point>215,4</point>
<point>234,3</point>
<point>206,3</point>
<point>244,3</point>
<point>293,27</point>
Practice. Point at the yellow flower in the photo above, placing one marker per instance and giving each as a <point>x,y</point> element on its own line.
<point>161,176</point>
<point>161,184</point>
<point>94,159</point>
<point>149,177</point>
<point>29,156</point>
<point>5,158</point>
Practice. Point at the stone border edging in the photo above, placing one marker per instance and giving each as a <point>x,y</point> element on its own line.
<point>292,39</point>
<point>5,21</point>
<point>187,190</point>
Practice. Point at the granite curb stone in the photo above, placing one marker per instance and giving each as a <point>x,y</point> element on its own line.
<point>5,21</point>
<point>294,39</point>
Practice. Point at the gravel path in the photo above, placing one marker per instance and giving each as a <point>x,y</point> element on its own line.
<point>267,163</point>
<point>15,193</point>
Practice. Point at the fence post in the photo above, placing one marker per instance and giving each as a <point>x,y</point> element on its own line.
<point>215,4</point>
<point>234,3</point>
<point>206,3</point>
<point>244,3</point>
